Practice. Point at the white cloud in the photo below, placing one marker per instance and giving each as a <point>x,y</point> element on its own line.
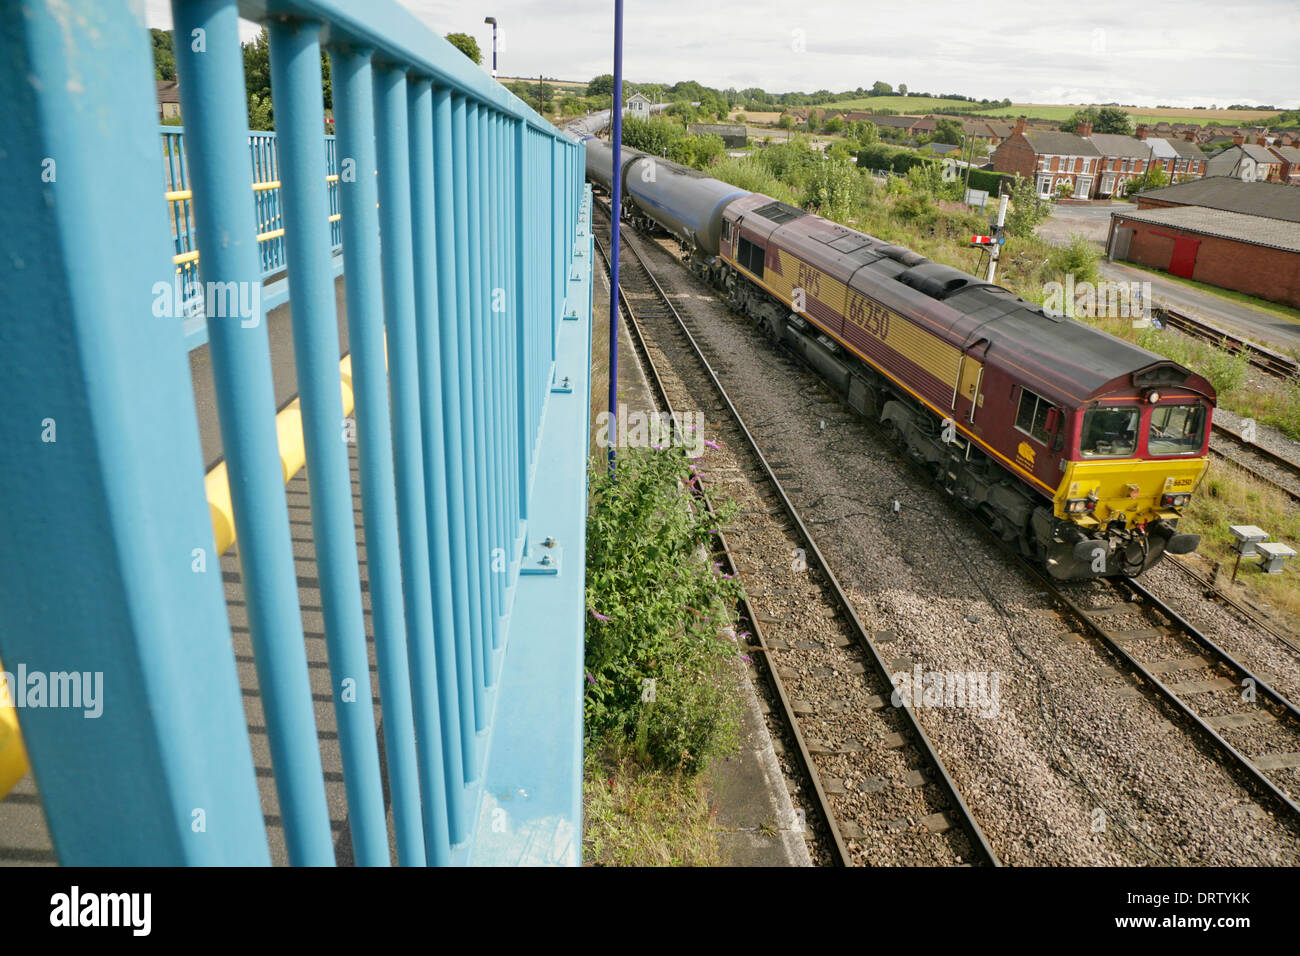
<point>1160,52</point>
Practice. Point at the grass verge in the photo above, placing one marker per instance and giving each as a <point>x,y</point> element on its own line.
<point>1229,495</point>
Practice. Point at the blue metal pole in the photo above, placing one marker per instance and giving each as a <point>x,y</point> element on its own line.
<point>476,486</point>
<point>437,732</point>
<point>470,656</point>
<point>212,87</point>
<point>109,585</point>
<point>455,672</point>
<point>523,452</point>
<point>354,114</point>
<point>300,116</point>
<point>487,382</point>
<point>616,205</point>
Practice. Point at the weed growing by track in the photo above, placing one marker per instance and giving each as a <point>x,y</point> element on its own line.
<point>660,642</point>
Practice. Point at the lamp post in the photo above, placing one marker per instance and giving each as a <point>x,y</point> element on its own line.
<point>615,206</point>
<point>493,21</point>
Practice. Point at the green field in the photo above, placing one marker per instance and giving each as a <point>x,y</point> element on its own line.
<point>899,104</point>
<point>921,105</point>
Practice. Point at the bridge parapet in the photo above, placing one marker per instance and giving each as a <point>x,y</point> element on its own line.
<point>464,229</point>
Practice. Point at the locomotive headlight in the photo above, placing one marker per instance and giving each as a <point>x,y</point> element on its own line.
<point>1077,506</point>
<point>1175,501</point>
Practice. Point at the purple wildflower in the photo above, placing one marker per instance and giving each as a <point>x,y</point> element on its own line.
<point>590,680</point>
<point>712,444</point>
<point>601,617</point>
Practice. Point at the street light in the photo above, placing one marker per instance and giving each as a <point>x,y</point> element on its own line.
<point>493,21</point>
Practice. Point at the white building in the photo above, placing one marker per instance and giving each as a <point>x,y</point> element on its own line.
<point>638,105</point>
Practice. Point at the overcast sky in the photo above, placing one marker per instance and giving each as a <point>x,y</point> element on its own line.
<point>1144,52</point>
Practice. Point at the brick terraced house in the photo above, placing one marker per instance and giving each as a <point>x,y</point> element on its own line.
<point>1049,160</point>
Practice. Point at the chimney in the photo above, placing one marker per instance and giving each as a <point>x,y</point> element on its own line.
<point>1191,136</point>
<point>1237,139</point>
<point>1020,126</point>
<point>1261,141</point>
<point>1142,131</point>
<point>1085,129</point>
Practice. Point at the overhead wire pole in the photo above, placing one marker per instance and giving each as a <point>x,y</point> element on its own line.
<point>616,183</point>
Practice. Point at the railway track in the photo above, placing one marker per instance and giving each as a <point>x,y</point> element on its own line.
<point>877,781</point>
<point>1252,726</point>
<point>1265,359</point>
<point>1260,462</point>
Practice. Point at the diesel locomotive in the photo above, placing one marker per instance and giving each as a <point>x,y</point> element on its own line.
<point>1076,447</point>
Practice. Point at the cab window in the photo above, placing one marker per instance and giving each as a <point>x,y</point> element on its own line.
<point>1110,432</point>
<point>1031,417</point>
<point>1176,430</point>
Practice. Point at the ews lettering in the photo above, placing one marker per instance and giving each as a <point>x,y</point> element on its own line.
<point>809,279</point>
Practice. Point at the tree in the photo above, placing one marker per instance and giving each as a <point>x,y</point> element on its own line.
<point>1153,178</point>
<point>867,134</point>
<point>164,60</point>
<point>881,88</point>
<point>1112,119</point>
<point>1025,210</point>
<point>257,82</point>
<point>602,85</point>
<point>947,130</point>
<point>902,89</point>
<point>833,125</point>
<point>786,121</point>
<point>1088,115</point>
<point>467,45</point>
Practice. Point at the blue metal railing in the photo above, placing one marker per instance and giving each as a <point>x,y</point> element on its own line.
<point>264,162</point>
<point>465,237</point>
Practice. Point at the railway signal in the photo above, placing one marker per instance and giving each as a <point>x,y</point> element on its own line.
<point>997,231</point>
<point>987,240</point>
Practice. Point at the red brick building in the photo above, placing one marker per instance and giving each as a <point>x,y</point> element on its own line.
<point>1051,160</point>
<point>1256,255</point>
<point>1290,157</point>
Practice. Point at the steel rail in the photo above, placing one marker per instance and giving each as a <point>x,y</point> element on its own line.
<point>1219,656</point>
<point>917,732</point>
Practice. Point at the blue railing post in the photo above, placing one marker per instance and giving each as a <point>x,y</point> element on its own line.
<point>440,763</point>
<point>295,79</point>
<point>465,132</point>
<point>453,283</point>
<point>522,224</point>
<point>354,111</point>
<point>212,86</point>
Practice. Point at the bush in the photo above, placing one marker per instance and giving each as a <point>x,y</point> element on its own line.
<point>1225,370</point>
<point>831,187</point>
<point>655,135</point>
<point>990,182</point>
<point>1079,258</point>
<point>697,151</point>
<point>659,673</point>
<point>1025,210</point>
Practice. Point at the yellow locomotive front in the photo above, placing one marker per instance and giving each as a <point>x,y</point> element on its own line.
<point>1137,460</point>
